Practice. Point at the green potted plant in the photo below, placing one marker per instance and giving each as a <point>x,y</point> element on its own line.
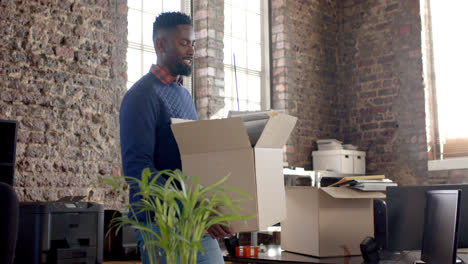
<point>181,226</point>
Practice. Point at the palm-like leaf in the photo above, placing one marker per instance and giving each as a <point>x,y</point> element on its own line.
<point>181,228</point>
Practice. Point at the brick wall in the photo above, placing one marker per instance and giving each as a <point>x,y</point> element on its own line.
<point>304,67</point>
<point>208,20</point>
<point>63,73</point>
<point>352,70</point>
<point>380,71</point>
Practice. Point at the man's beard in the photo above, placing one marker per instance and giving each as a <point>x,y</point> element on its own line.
<point>182,69</point>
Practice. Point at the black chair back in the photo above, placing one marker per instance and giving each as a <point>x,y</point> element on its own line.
<point>9,216</point>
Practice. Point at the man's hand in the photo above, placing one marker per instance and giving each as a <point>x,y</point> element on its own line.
<point>220,231</point>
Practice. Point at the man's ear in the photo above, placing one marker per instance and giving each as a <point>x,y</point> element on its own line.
<point>160,44</point>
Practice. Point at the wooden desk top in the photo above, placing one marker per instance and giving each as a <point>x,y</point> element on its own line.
<point>274,254</point>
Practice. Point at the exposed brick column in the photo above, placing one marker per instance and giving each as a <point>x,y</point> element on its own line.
<point>280,53</point>
<point>304,50</point>
<point>380,72</point>
<point>63,73</point>
<point>208,19</point>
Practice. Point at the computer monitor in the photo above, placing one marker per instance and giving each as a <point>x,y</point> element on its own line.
<point>441,220</point>
<point>405,215</point>
<point>8,132</point>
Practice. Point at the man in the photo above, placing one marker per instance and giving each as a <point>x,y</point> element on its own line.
<point>145,133</point>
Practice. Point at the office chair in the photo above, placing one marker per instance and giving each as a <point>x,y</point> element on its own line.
<point>9,215</point>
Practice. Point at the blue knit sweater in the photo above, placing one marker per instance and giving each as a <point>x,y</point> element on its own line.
<point>146,137</point>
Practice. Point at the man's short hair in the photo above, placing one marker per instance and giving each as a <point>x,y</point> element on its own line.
<point>170,20</point>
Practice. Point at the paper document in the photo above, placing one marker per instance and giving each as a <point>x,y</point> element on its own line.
<point>346,180</point>
<point>373,186</point>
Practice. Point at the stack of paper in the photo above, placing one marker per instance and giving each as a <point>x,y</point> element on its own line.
<point>372,185</point>
<point>366,183</point>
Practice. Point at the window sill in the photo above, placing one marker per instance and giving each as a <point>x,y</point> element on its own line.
<point>448,164</point>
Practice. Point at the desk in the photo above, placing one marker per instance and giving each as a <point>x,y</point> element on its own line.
<point>274,254</point>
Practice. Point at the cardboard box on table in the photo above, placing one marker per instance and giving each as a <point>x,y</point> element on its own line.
<point>212,149</point>
<point>326,222</point>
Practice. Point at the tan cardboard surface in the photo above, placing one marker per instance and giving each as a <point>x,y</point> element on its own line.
<point>348,193</point>
<point>211,135</point>
<point>344,223</point>
<point>300,231</point>
<point>277,131</point>
<point>320,225</point>
<point>212,167</point>
<point>270,186</point>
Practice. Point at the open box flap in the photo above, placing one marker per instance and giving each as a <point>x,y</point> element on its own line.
<point>209,135</point>
<point>277,131</point>
<point>348,193</point>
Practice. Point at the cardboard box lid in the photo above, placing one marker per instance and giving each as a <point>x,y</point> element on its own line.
<point>210,135</point>
<point>348,193</point>
<point>276,131</point>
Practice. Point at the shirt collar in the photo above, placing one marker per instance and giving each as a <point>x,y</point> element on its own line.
<point>164,76</point>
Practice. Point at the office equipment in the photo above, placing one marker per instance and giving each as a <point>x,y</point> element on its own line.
<point>121,244</point>
<point>8,223</point>
<point>405,215</point>
<point>8,132</point>
<point>329,144</point>
<point>340,161</point>
<point>441,220</point>
<point>380,222</point>
<point>370,250</point>
<point>60,232</point>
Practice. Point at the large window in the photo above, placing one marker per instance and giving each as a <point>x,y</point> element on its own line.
<point>447,26</point>
<point>246,56</point>
<point>140,51</point>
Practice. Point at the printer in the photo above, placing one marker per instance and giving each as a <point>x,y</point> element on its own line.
<point>60,232</point>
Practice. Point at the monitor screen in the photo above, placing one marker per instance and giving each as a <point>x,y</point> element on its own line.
<point>405,215</point>
<point>439,243</point>
<point>8,133</point>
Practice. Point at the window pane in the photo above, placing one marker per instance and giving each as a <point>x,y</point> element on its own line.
<point>253,29</point>
<point>253,106</point>
<point>254,6</point>
<point>239,49</point>
<point>254,89</point>
<point>133,64</point>
<point>227,21</point>
<point>227,50</point>
<point>171,5</point>
<point>136,4</point>
<point>449,65</point>
<point>242,85</point>
<point>238,23</point>
<point>243,105</point>
<point>149,58</point>
<point>240,3</point>
<point>243,38</point>
<point>148,20</point>
<point>134,26</point>
<point>152,6</point>
<point>254,58</point>
<point>228,105</point>
<point>228,83</point>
